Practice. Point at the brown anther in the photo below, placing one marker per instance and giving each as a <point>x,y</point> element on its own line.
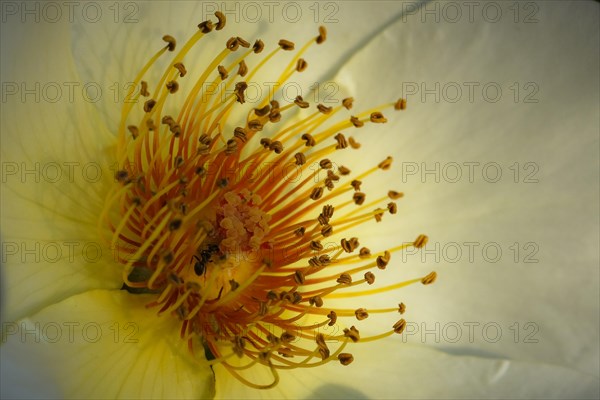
<point>258,46</point>
<point>316,245</point>
<point>327,230</point>
<point>382,261</point>
<point>320,340</point>
<point>324,109</point>
<point>221,20</point>
<point>240,133</point>
<point>328,210</point>
<point>239,91</point>
<point>234,285</point>
<point>309,140</point>
<point>356,122</point>
<point>144,90</point>
<point>378,214</point>
<point>301,65</point>
<point>265,142</point>
<point>420,241</point>
<point>347,102</point>
<point>149,105</point>
<point>314,262</point>
<point>316,193</point>
<point>200,171</point>
<point>133,130</point>
<point>262,308</point>
<point>323,220</point>
<point>222,183</point>
<point>386,164</point>
<point>178,162</point>
<point>322,35</point>
<point>359,198</point>
<point>176,279</point>
<point>167,120</point>
<point>287,337</point>
<point>353,143</point>
<point>345,358</point>
<point>342,143</point>
<point>332,318</point>
<point>171,42</point>
<point>344,279</point>
<point>401,308</point>
<point>242,42</point>
<point>316,301</point>
<point>349,245</point>
<point>238,345</point>
<point>286,45</point>
<point>274,104</point>
<point>232,44</point>
<point>324,259</point>
<point>181,312</point>
<point>231,147</point>
<point>325,163</point>
<point>255,125</point>
<point>222,72</point>
<point>400,104</point>
<point>300,231</point>
<point>203,149</point>
<point>205,139</point>
<point>296,298</point>
<point>429,279</point>
<point>274,115</point>
<point>261,112</point>
<point>369,277</point>
<point>299,101</point>
<point>168,257</point>
<point>364,252</point>
<point>271,295</point>
<point>242,68</point>
<point>343,170</point>
<point>299,277</point>
<point>332,176</point>
<point>392,207</point>
<point>300,158</point>
<point>378,118</point>
<point>276,147</point>
<point>399,326</point>
<point>150,124</point>
<point>122,176</point>
<point>361,314</point>
<point>206,26</point>
<point>329,184</point>
<point>392,194</point>
<point>285,352</point>
<point>181,68</point>
<point>172,86</point>
<point>356,184</point>
<point>352,333</point>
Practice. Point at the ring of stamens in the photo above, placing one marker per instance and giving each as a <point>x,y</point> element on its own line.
<point>241,259</point>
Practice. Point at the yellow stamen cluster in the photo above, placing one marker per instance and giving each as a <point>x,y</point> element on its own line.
<point>243,256</point>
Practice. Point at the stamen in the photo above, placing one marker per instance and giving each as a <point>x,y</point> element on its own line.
<point>234,254</point>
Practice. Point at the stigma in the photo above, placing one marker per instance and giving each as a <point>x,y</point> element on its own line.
<point>244,229</point>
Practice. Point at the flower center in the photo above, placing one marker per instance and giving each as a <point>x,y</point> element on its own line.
<point>244,230</point>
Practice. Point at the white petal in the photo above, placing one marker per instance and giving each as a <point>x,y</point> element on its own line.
<point>542,291</point>
<point>55,173</point>
<point>417,372</point>
<point>105,344</point>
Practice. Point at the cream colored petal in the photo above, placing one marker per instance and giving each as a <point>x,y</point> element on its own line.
<point>105,344</point>
<point>110,49</point>
<point>538,300</point>
<point>420,372</point>
<point>56,168</point>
